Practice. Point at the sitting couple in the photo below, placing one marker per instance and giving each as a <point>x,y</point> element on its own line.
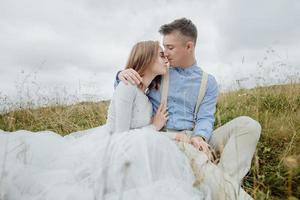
<point>157,142</point>
<point>190,96</point>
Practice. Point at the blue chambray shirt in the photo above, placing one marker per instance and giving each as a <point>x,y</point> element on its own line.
<point>184,85</point>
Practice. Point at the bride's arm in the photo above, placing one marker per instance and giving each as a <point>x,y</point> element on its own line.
<point>123,99</point>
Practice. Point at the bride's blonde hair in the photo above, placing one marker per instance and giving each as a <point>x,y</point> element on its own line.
<point>143,54</point>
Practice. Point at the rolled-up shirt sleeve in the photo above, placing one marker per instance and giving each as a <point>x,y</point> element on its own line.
<point>205,116</point>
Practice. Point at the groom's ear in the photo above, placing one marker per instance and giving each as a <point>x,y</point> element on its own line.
<point>189,45</point>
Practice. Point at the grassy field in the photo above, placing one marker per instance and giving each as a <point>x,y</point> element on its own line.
<point>275,172</point>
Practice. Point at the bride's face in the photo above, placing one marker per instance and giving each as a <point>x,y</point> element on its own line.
<point>161,63</point>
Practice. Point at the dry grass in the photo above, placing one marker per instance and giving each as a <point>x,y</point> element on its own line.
<point>275,172</point>
<point>60,119</point>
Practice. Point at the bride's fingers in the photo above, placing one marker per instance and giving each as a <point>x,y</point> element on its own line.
<point>161,106</point>
<point>159,109</point>
<point>165,111</point>
<point>164,108</point>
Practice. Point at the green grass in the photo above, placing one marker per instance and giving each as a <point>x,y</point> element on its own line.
<point>275,171</point>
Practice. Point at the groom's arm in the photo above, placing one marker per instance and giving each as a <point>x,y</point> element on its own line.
<point>205,116</point>
<point>117,80</point>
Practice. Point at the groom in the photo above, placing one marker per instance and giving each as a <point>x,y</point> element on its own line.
<point>236,140</point>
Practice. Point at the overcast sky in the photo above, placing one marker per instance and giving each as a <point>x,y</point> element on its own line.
<point>75,47</point>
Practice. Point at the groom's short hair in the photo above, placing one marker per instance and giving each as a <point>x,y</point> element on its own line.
<point>183,26</point>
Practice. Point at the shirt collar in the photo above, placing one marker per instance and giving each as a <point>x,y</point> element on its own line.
<point>187,70</point>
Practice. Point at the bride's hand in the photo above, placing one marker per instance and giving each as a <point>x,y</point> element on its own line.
<point>161,117</point>
<point>181,136</point>
<point>130,75</point>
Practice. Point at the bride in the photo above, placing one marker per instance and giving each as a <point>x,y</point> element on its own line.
<point>127,158</point>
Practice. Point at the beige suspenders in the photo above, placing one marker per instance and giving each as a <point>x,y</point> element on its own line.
<point>201,94</point>
<point>165,88</point>
<point>202,90</point>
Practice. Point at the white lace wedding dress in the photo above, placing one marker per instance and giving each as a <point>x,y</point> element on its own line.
<point>124,159</point>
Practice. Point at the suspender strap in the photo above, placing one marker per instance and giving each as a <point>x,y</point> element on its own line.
<point>165,88</point>
<point>202,91</point>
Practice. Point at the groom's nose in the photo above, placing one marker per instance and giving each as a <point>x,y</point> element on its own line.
<point>166,54</point>
<point>166,60</point>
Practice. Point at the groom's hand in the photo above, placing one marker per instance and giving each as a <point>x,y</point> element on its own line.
<point>130,76</point>
<point>182,137</point>
<point>199,143</point>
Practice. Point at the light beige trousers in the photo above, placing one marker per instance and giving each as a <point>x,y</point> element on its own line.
<point>236,141</point>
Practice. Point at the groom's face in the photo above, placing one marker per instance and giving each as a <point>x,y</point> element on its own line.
<point>175,49</point>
